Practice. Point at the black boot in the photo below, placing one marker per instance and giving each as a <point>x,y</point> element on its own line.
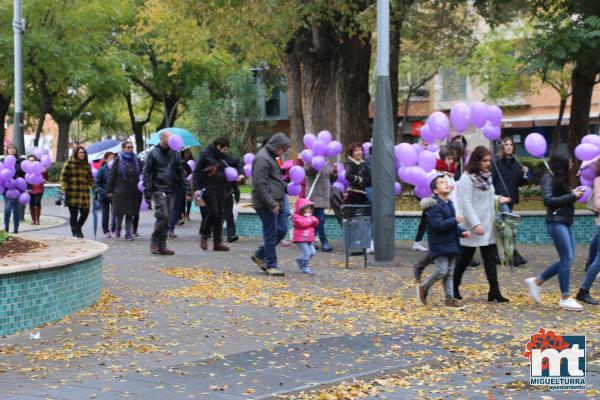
<point>74,231</point>
<point>586,297</point>
<point>518,259</point>
<point>495,295</point>
<point>457,293</point>
<point>79,233</point>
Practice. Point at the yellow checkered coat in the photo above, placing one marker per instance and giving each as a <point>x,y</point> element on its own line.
<point>76,181</point>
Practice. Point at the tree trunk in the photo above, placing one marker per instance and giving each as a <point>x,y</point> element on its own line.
<point>556,133</point>
<point>4,107</point>
<point>404,115</point>
<point>170,103</point>
<point>583,81</point>
<point>62,147</point>
<point>39,128</point>
<point>294,92</point>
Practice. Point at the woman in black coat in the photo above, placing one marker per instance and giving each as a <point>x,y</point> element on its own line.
<point>508,175</point>
<point>122,188</point>
<point>357,175</point>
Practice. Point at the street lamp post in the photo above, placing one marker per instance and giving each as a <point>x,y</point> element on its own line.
<point>384,174</point>
<point>18,28</point>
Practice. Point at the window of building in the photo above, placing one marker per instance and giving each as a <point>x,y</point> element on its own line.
<point>272,105</point>
<point>454,85</point>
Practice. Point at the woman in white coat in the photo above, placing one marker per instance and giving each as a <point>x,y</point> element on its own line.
<point>476,201</point>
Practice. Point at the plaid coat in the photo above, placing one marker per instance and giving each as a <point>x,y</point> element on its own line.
<point>76,181</point>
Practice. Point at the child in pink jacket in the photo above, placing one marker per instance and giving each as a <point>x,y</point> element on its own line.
<point>304,224</point>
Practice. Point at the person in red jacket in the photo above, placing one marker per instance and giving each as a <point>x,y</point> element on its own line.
<point>36,192</point>
<point>304,224</point>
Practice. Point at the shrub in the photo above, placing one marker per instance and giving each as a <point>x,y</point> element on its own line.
<point>54,172</point>
<point>3,237</point>
<point>536,167</point>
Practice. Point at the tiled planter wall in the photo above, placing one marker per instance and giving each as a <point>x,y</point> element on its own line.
<point>31,298</point>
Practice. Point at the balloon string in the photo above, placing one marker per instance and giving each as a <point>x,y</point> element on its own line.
<point>312,187</point>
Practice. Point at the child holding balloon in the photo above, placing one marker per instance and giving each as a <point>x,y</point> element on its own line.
<point>304,224</point>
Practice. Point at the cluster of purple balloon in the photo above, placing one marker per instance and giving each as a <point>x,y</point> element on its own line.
<point>318,148</point>
<point>248,159</point>
<point>16,188</point>
<point>416,166</point>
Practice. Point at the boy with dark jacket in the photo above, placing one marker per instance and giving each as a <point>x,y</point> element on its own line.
<point>444,235</point>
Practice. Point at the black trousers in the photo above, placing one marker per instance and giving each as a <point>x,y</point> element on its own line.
<point>77,217</point>
<point>136,221</point>
<point>488,253</point>
<point>229,201</point>
<point>215,204</point>
<point>421,228</point>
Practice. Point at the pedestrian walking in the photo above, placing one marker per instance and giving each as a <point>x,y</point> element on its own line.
<point>122,189</point>
<point>559,200</point>
<point>443,236</point>
<point>103,198</point>
<point>304,224</point>
<point>186,156</point>
<point>232,198</point>
<point>162,172</point>
<point>177,216</point>
<point>12,206</point>
<point>76,181</point>
<point>476,201</point>
<point>320,183</point>
<point>36,192</point>
<point>268,194</point>
<point>508,174</point>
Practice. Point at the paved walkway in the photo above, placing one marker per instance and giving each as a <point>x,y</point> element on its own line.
<point>211,325</point>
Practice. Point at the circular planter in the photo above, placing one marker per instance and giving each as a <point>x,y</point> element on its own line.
<point>46,284</point>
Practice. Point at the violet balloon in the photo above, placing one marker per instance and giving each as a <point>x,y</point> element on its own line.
<point>427,160</point>
<point>24,198</point>
<point>307,155</point>
<point>403,174</point>
<point>418,147</point>
<point>397,188</point>
<point>325,137</point>
<point>333,149</point>
<point>46,161</point>
<point>248,158</point>
<point>248,170</point>
<point>434,147</point>
<point>6,174</point>
<point>339,186</point>
<point>231,174</point>
<point>10,161</point>
<point>478,114</point>
<point>297,174</point>
<point>406,154</point>
<point>585,182</point>
<point>140,186</point>
<point>586,151</point>
<point>10,184</point>
<point>591,139</point>
<point>21,184</point>
<point>25,166</point>
<point>192,165</point>
<point>309,140</point>
<point>319,148</point>
<point>494,114</point>
<point>367,146</point>
<point>439,124</point>
<point>536,145</point>
<point>318,162</point>
<point>36,179</point>
<point>460,115</point>
<point>423,191</point>
<point>294,189</point>
<point>491,132</point>
<point>589,172</point>
<point>419,176</point>
<point>587,192</point>
<point>427,135</point>
<point>144,206</point>
<point>175,143</point>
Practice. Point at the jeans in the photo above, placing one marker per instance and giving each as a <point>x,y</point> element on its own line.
<point>445,271</point>
<point>488,253</point>
<point>11,206</point>
<point>128,222</point>
<point>106,215</point>
<point>163,202</point>
<point>77,223</point>
<point>369,191</point>
<point>229,219</point>
<point>594,267</point>
<point>177,210</point>
<point>421,228</point>
<point>274,229</point>
<point>564,242</point>
<point>320,214</point>
<point>213,223</point>
<point>307,251</point>
<point>593,251</point>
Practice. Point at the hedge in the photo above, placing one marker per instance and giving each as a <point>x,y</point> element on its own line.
<point>54,172</point>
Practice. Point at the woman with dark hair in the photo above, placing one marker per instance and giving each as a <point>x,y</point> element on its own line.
<point>476,202</point>
<point>186,156</point>
<point>122,188</point>
<point>105,201</point>
<point>559,200</point>
<point>75,182</point>
<point>356,175</point>
<point>12,206</point>
<point>508,175</point>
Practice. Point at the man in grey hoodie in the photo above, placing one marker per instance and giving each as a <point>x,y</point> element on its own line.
<point>268,193</point>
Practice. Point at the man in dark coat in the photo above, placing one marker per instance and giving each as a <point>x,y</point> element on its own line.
<point>162,171</point>
<point>268,194</point>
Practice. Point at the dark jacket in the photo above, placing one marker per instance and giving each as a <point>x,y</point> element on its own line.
<point>209,158</point>
<point>558,202</point>
<point>126,197</point>
<point>511,172</point>
<point>162,171</point>
<point>268,189</point>
<point>357,175</point>
<point>443,232</point>
<point>102,181</point>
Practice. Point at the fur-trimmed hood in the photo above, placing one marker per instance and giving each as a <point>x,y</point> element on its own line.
<point>427,202</point>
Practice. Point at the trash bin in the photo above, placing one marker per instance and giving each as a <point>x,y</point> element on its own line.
<point>356,229</point>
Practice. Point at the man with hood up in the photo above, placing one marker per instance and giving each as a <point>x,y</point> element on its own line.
<point>268,194</point>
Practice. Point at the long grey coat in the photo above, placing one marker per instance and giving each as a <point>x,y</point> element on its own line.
<point>478,208</point>
<point>126,198</point>
<point>320,194</point>
<point>268,189</point>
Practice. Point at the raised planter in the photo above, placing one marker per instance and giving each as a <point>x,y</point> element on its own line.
<point>46,284</point>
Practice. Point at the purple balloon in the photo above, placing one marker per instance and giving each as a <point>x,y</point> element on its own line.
<point>26,166</point>
<point>586,151</point>
<point>94,173</point>
<point>586,194</point>
<point>294,189</point>
<point>427,160</point>
<point>491,132</point>
<point>460,115</point>
<point>478,114</point>
<point>592,139</point>
<point>423,191</point>
<point>307,155</point>
<point>140,186</point>
<point>248,170</point>
<point>175,143</point>
<point>325,137</point>
<point>406,154</point>
<point>319,148</point>
<point>418,148</point>
<point>12,194</point>
<point>24,198</point>
<point>318,162</point>
<point>403,174</point>
<point>144,206</point>
<point>494,115</point>
<point>339,186</point>
<point>35,179</point>
<point>10,184</point>
<point>10,161</point>
<point>536,145</point>
<point>433,147</point>
<point>248,158</point>
<point>585,182</point>
<point>7,174</point>
<point>342,177</point>
<point>297,174</point>
<point>39,153</point>
<point>309,140</point>
<point>334,148</point>
<point>589,172</point>
<point>192,165</point>
<point>37,168</point>
<point>46,161</point>
<point>231,174</point>
<point>366,146</point>
<point>439,124</point>
<point>427,134</point>
<point>397,188</point>
<point>419,176</point>
<point>21,184</point>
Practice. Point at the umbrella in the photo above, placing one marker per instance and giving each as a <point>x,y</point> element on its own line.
<point>95,208</point>
<point>189,140</point>
<point>102,145</point>
<point>100,154</point>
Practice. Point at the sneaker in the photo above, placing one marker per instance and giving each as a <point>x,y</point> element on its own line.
<point>418,246</point>
<point>570,305</point>
<point>534,289</point>
<point>172,235</point>
<point>107,235</point>
<point>326,248</point>
<point>422,295</point>
<point>135,233</point>
<point>300,264</point>
<point>453,303</point>
<point>274,271</point>
<point>260,262</point>
<point>232,239</point>
<point>307,271</point>
<point>118,233</point>
<point>128,237</point>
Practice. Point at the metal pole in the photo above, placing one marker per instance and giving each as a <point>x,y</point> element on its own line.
<point>384,174</point>
<point>18,27</point>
